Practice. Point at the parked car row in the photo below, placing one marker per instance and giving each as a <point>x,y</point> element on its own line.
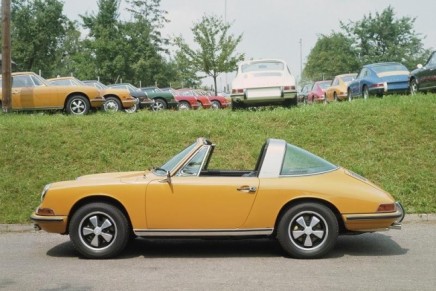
<point>32,92</point>
<point>372,80</point>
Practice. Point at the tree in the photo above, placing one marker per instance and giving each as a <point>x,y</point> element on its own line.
<point>144,43</point>
<point>38,28</point>
<point>217,48</point>
<point>382,38</point>
<point>105,41</point>
<point>331,56</point>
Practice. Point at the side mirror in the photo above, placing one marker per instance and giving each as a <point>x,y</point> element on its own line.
<point>167,179</point>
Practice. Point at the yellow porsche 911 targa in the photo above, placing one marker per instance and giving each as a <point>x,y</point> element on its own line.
<point>292,195</point>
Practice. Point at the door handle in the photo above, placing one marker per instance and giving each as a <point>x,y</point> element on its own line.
<point>247,189</point>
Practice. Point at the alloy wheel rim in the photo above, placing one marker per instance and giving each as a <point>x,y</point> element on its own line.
<point>78,106</point>
<point>308,230</point>
<point>111,106</point>
<point>97,231</point>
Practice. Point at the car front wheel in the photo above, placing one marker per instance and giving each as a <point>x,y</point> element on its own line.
<point>183,105</point>
<point>413,87</point>
<point>99,231</point>
<point>308,231</point>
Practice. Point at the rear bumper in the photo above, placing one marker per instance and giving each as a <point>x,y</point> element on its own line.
<point>97,102</point>
<point>375,221</point>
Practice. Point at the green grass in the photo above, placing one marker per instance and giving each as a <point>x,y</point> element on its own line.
<point>391,141</point>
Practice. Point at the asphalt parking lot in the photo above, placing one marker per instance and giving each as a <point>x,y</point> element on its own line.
<point>393,260</point>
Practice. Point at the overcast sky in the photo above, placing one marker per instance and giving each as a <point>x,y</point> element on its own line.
<point>274,28</point>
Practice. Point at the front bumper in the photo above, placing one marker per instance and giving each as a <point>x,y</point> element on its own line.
<point>54,224</point>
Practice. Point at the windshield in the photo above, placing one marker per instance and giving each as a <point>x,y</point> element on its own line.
<point>174,161</point>
<point>389,68</point>
<point>301,162</point>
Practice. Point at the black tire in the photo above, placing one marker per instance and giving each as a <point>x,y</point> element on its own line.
<point>365,92</point>
<point>413,87</point>
<point>112,104</point>
<point>350,97</point>
<point>99,231</point>
<point>325,99</point>
<point>132,109</point>
<point>216,104</point>
<point>77,105</point>
<point>335,96</point>
<point>307,231</point>
<point>159,104</point>
<point>183,105</point>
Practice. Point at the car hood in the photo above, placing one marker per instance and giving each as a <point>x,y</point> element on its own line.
<point>112,176</point>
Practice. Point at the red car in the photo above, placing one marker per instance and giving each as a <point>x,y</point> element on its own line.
<point>201,99</point>
<point>218,101</point>
<point>186,102</point>
<point>317,93</point>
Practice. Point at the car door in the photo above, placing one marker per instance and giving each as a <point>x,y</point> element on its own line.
<point>190,201</point>
<point>200,202</point>
<point>22,92</point>
<point>428,77</point>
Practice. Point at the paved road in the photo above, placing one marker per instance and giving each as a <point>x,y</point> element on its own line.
<point>394,260</point>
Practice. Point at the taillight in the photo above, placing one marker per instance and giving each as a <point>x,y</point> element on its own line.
<point>237,91</point>
<point>288,88</point>
<point>378,85</point>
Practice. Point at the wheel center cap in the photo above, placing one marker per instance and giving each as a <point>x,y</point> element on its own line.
<point>308,230</point>
<point>97,231</point>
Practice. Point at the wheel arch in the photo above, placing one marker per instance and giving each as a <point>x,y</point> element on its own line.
<point>74,94</point>
<point>112,95</point>
<point>100,199</point>
<point>298,201</point>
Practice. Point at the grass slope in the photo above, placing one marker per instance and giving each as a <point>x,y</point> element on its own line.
<point>391,141</point>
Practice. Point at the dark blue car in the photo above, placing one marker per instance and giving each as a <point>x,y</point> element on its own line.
<point>379,79</point>
<point>424,77</point>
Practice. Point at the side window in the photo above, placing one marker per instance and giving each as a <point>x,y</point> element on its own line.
<point>362,74</point>
<point>194,165</point>
<point>432,61</point>
<point>36,81</point>
<point>21,81</point>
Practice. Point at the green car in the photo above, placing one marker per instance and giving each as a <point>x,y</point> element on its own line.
<point>162,99</point>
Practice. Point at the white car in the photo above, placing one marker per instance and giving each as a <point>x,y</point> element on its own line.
<point>263,82</point>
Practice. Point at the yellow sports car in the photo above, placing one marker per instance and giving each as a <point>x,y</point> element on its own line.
<point>115,99</point>
<point>32,92</point>
<point>338,88</point>
<point>300,199</point>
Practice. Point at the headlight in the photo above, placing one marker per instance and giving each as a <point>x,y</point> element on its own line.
<point>44,191</point>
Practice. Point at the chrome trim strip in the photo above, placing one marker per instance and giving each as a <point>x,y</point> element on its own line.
<point>203,232</point>
<point>35,217</point>
<point>377,216</point>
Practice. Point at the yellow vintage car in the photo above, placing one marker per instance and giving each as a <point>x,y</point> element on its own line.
<point>32,92</point>
<point>338,88</point>
<point>115,99</point>
<point>292,195</point>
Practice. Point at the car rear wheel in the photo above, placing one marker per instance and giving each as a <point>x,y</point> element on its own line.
<point>159,105</point>
<point>365,92</point>
<point>183,105</point>
<point>99,230</point>
<point>112,104</point>
<point>308,231</point>
<point>78,105</point>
